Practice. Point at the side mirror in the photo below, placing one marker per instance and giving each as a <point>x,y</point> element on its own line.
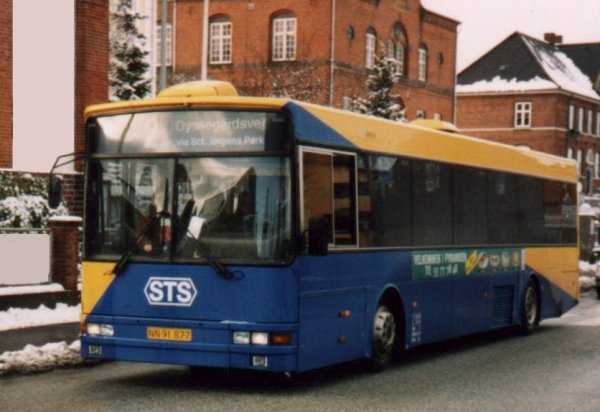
<point>318,236</point>
<point>54,191</point>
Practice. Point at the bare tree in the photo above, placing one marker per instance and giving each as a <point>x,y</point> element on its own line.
<point>301,79</point>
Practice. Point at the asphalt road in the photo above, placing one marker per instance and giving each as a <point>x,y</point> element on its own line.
<point>555,369</point>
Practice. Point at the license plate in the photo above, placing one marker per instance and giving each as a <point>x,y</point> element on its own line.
<point>173,334</point>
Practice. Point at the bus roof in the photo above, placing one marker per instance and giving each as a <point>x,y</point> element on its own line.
<point>343,130</point>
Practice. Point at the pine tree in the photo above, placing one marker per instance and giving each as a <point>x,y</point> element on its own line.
<point>128,59</point>
<point>380,101</point>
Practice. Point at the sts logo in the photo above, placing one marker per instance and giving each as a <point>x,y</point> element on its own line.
<point>170,291</point>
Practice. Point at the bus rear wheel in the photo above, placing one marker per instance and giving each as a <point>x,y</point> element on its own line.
<point>531,308</point>
<point>385,338</point>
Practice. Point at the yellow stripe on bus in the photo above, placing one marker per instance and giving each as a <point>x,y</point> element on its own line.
<point>96,278</point>
<point>560,265</point>
<point>385,136</point>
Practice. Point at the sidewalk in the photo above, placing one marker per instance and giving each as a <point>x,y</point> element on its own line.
<point>17,339</point>
<point>32,297</point>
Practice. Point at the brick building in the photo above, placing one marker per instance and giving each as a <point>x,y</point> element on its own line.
<point>543,95</point>
<point>91,59</point>
<point>318,50</point>
<point>91,85</point>
<point>6,126</point>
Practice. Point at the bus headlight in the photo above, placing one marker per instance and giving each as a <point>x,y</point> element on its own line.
<point>107,330</point>
<point>262,338</point>
<point>93,329</point>
<point>241,338</point>
<point>259,338</point>
<point>99,329</point>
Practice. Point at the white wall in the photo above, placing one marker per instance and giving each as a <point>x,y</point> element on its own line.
<point>25,258</point>
<point>43,82</point>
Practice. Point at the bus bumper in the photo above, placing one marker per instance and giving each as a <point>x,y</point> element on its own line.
<point>208,344</point>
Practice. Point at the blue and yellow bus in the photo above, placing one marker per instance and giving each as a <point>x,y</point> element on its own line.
<point>271,234</point>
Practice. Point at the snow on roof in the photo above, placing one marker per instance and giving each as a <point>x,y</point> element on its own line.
<point>561,68</point>
<point>521,63</point>
<point>498,84</point>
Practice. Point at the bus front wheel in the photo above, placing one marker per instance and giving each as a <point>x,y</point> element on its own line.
<point>385,337</point>
<point>531,308</point>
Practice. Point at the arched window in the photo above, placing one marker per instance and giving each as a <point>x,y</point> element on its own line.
<point>220,40</point>
<point>396,48</point>
<point>370,48</point>
<point>422,71</point>
<point>284,37</point>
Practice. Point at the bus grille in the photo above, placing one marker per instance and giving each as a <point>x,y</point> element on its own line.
<point>502,306</point>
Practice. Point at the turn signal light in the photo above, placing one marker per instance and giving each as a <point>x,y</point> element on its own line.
<point>281,338</point>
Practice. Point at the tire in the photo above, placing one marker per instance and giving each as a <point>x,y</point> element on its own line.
<point>530,310</point>
<point>385,338</point>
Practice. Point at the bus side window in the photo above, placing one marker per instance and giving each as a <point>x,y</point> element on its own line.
<point>318,191</point>
<point>330,193</point>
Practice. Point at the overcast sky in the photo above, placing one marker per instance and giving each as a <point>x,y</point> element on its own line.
<point>44,72</point>
<point>485,23</point>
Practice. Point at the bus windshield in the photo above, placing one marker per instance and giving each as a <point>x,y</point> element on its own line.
<point>239,208</point>
<point>189,186</point>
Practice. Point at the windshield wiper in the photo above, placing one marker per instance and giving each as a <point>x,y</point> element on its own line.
<point>149,228</point>
<point>204,249</point>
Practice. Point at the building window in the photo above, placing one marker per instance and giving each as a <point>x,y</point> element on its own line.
<point>523,114</point>
<point>571,117</point>
<point>597,165</point>
<point>347,103</point>
<point>371,41</point>
<point>598,124</point>
<point>284,38</point>
<point>422,71</point>
<point>395,51</point>
<point>579,161</point>
<point>220,41</point>
<point>420,114</point>
<point>437,116</point>
<point>169,44</point>
<point>580,121</point>
<point>397,48</point>
<point>570,153</point>
<point>590,122</point>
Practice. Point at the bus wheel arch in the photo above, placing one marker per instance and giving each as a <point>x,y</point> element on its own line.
<point>388,330</point>
<point>531,305</point>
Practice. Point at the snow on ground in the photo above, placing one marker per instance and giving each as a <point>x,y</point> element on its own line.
<point>29,289</point>
<point>17,318</point>
<point>587,272</point>
<point>40,358</point>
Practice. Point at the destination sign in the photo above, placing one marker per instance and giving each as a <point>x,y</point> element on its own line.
<point>190,131</point>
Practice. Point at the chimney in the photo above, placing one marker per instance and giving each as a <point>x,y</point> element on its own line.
<point>553,38</point>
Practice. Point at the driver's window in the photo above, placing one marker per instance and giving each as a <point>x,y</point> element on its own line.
<point>329,192</point>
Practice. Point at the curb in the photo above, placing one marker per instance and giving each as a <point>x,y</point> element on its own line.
<point>17,339</point>
<point>34,300</point>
